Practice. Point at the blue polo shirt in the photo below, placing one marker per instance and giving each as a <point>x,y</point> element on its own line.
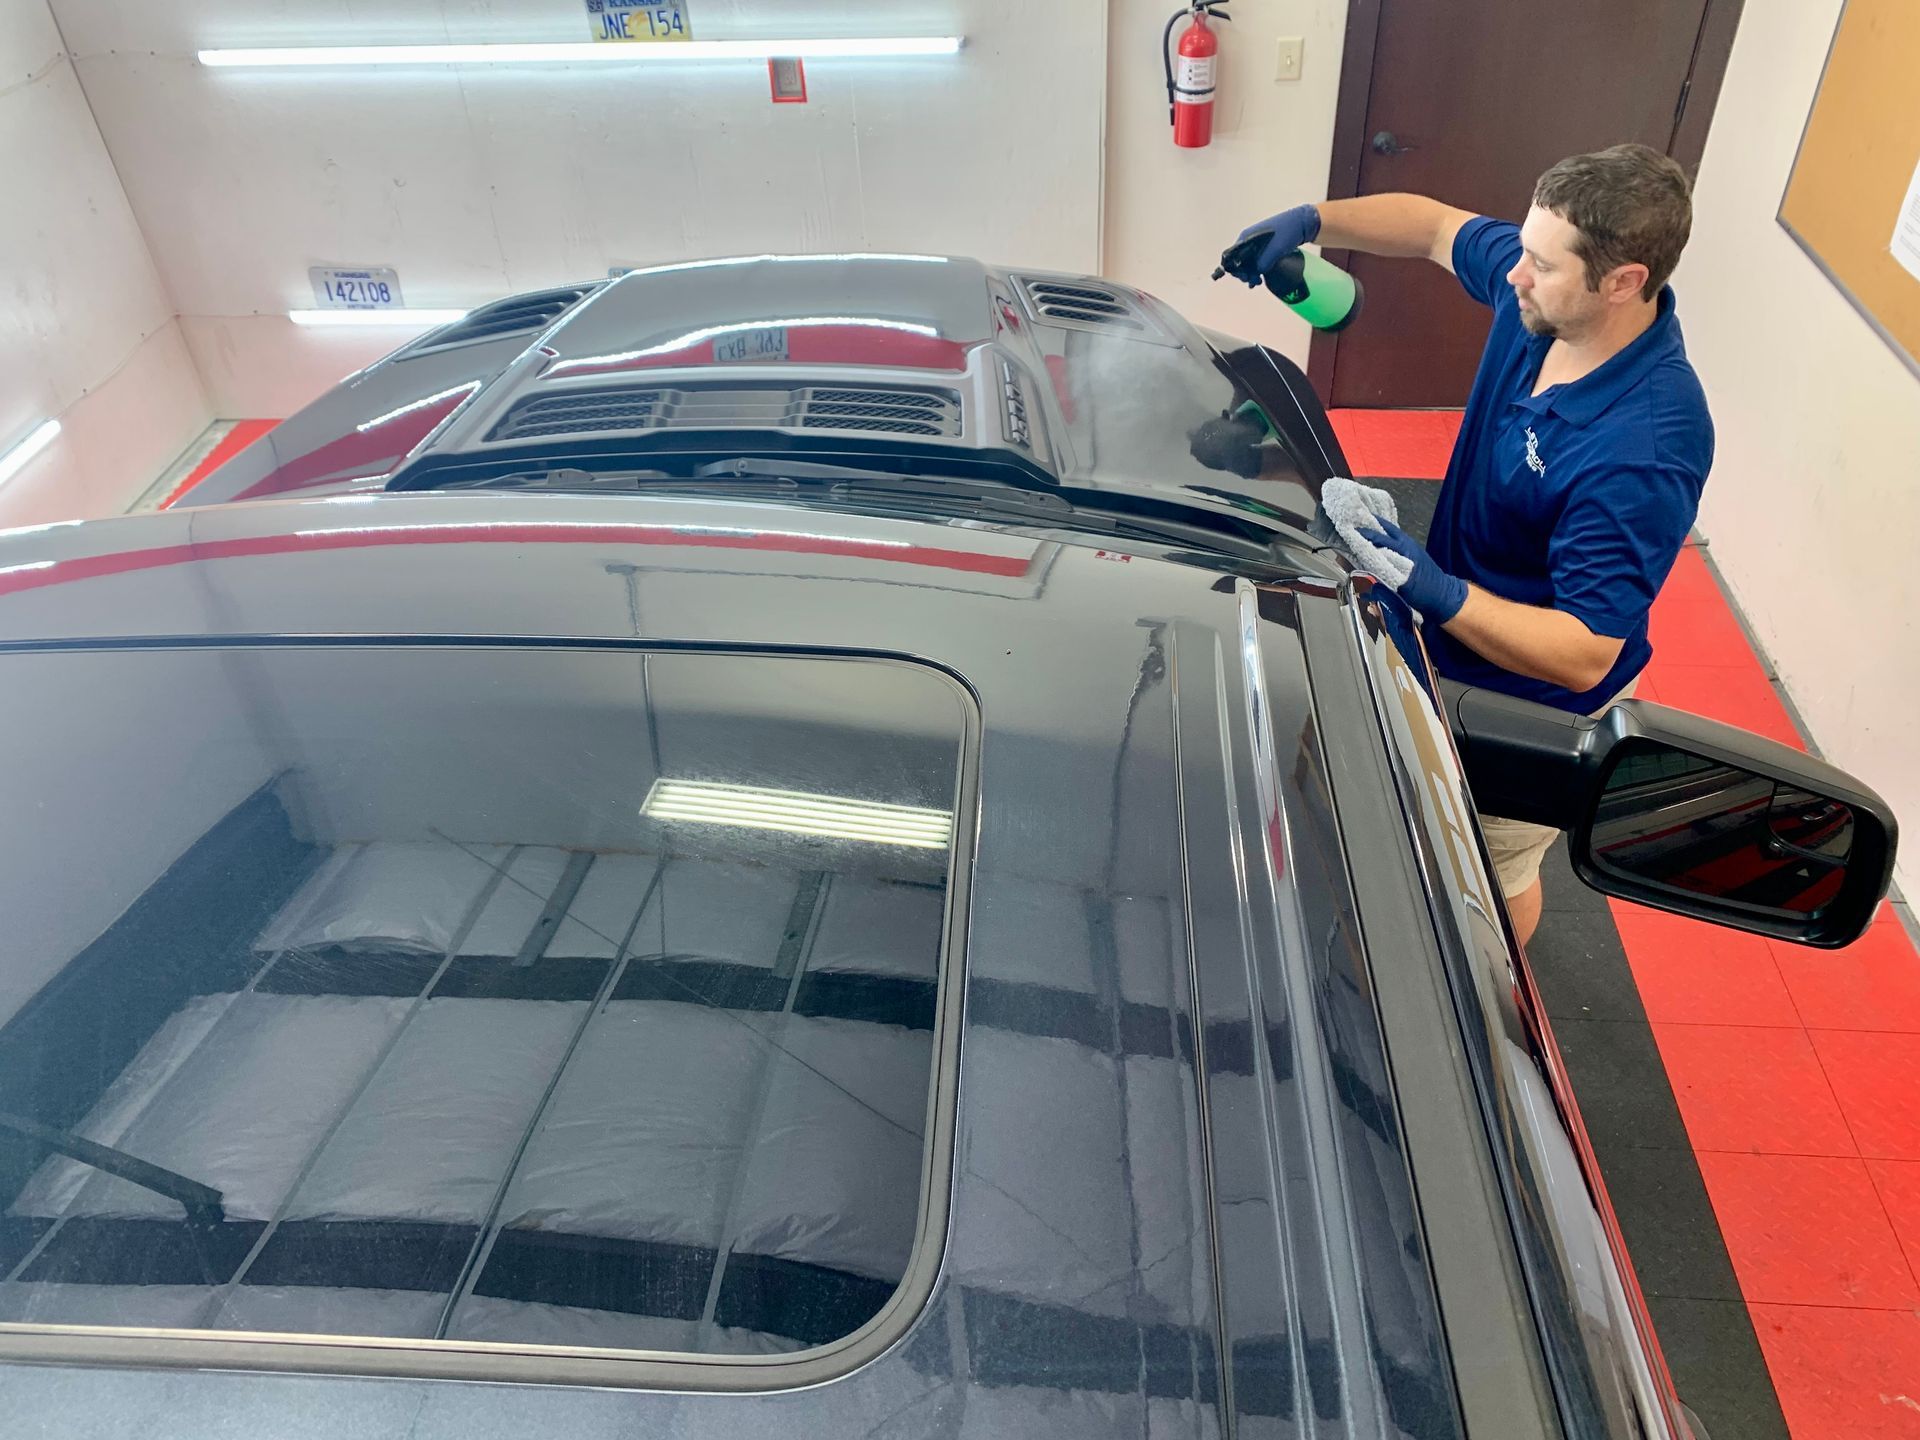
<point>1579,497</point>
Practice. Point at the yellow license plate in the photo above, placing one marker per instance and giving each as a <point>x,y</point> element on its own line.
<point>628,20</point>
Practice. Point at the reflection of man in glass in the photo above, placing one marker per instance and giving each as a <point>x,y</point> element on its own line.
<point>1238,442</point>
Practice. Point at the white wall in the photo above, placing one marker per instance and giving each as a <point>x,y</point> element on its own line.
<point>86,329</point>
<point>478,182</point>
<point>1170,212</point>
<point>474,183</point>
<point>1816,483</point>
<point>93,821</point>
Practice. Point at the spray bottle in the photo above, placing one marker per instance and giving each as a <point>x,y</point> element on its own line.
<point>1317,290</point>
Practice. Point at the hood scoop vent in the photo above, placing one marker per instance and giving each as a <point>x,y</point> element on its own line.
<point>522,315</point>
<point>893,410</point>
<point>1091,305</point>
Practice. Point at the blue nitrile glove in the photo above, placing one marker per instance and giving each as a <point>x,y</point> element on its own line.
<point>1432,591</point>
<point>1285,232</point>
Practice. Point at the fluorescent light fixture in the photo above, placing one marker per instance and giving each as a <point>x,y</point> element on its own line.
<point>38,438</point>
<point>593,52</point>
<point>834,817</point>
<point>417,319</point>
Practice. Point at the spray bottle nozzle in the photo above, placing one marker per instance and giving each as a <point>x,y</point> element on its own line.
<point>1239,258</point>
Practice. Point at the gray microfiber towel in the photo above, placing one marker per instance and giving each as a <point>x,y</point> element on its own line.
<point>1352,507</point>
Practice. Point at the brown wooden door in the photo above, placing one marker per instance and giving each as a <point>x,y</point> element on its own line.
<point>1468,101</point>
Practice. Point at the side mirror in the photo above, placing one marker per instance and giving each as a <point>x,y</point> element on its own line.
<point>1685,814</point>
<point>1718,839</point>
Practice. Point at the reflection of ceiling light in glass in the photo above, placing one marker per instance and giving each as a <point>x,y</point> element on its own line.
<point>38,438</point>
<point>832,816</point>
<point>588,51</point>
<point>730,260</point>
<point>714,332</point>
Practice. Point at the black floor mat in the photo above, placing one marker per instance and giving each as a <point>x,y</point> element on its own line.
<point>1414,499</point>
<point>1647,1162</point>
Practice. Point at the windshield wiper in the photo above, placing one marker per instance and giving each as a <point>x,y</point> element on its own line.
<point>571,477</point>
<point>202,1202</point>
<point>560,479</point>
<point>945,494</point>
<point>762,468</point>
<point>782,476</point>
<point>854,487</point>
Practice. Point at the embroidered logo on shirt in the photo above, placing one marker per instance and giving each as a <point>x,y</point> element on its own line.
<point>1534,462</point>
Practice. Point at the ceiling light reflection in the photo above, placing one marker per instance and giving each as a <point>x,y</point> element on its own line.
<point>796,812</point>
<point>714,332</point>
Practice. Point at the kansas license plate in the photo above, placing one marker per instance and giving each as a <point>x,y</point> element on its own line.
<point>355,289</point>
<point>638,20</point>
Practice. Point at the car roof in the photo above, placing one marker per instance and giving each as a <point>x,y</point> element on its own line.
<point>1088,662</point>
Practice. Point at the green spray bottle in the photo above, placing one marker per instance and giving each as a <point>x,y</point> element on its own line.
<point>1317,290</point>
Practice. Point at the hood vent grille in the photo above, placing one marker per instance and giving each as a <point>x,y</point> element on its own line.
<point>873,409</point>
<point>1014,408</point>
<point>1091,305</point>
<point>521,315</point>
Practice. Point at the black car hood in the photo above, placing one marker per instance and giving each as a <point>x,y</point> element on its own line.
<point>1082,382</point>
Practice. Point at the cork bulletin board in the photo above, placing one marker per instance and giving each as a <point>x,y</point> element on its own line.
<point>1853,199</point>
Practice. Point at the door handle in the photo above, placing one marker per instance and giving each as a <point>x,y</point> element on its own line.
<point>1386,143</point>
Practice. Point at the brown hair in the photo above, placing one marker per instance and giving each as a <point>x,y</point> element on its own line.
<point>1631,206</point>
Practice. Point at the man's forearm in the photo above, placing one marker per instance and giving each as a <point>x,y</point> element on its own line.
<point>1532,640</point>
<point>1407,225</point>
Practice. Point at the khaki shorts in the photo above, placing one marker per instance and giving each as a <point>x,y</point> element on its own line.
<point>1517,846</point>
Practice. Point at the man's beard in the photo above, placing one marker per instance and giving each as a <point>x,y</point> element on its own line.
<point>1538,324</point>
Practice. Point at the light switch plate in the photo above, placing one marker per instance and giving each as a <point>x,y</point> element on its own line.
<point>1289,62</point>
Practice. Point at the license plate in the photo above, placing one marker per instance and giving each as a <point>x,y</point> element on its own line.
<point>355,289</point>
<point>641,20</point>
<point>766,344</point>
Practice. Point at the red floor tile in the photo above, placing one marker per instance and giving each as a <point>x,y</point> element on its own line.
<point>1690,581</point>
<point>1876,1078</point>
<point>1873,984</point>
<point>1843,1374</point>
<point>1746,1088</point>
<point>1351,429</point>
<point>1410,444</point>
<point>1807,1230</point>
<point>1898,1182</point>
<point>1689,631</point>
<point>1691,973</point>
<point>1733,694</point>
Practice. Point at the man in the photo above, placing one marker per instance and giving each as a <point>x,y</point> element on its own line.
<point>1584,447</point>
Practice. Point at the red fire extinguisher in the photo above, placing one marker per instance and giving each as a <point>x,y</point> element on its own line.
<point>1190,85</point>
